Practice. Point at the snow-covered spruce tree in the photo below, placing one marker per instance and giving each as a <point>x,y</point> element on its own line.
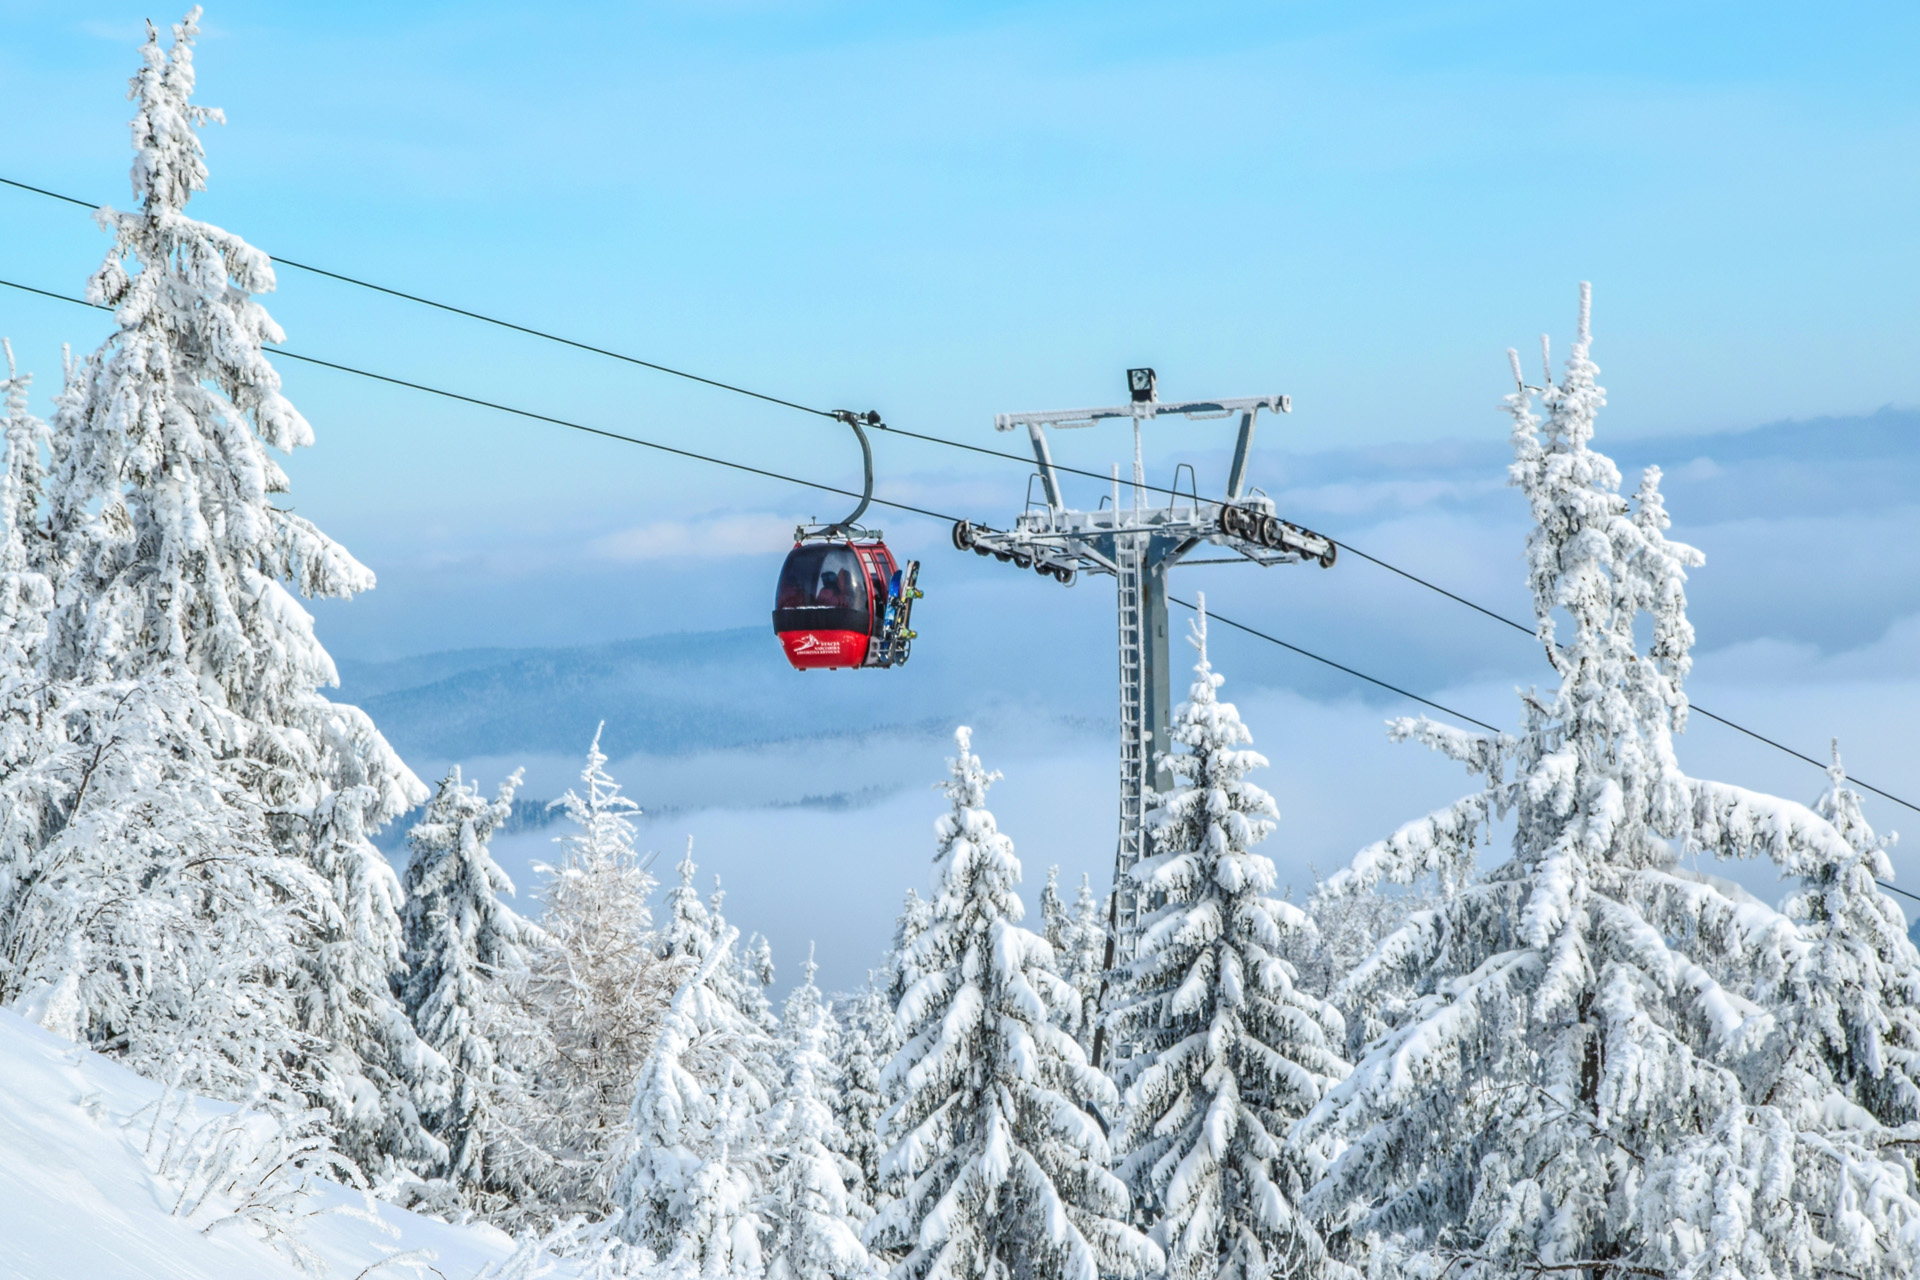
<point>26,594</point>
<point>691,931</point>
<point>1078,937</point>
<point>188,673</point>
<point>1056,924</point>
<point>1002,1169</point>
<point>811,1215</point>
<point>898,973</point>
<point>694,1182</point>
<point>860,1103</point>
<point>1580,1083</point>
<point>1854,995</point>
<point>597,986</point>
<point>916,916</point>
<point>1227,1052</point>
<point>1085,963</point>
<point>755,974</point>
<point>30,786</point>
<point>1347,929</point>
<point>465,958</point>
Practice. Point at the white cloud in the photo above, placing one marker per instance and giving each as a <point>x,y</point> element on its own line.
<point>716,538</point>
<point>1700,469</point>
<point>1368,497</point>
<point>1772,660</point>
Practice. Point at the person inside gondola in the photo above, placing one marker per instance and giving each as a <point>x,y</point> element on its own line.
<point>829,596</point>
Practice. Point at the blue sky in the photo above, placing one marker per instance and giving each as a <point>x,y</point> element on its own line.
<point>944,211</point>
<point>950,210</point>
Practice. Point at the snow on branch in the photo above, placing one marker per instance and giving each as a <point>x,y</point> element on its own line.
<point>1440,844</point>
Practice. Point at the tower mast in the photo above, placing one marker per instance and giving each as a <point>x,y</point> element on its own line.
<point>1137,543</point>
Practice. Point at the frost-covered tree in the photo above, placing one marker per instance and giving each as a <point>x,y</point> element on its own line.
<point>1002,1169</point>
<point>26,594</point>
<point>1084,964</point>
<point>755,974</point>
<point>1077,935</point>
<point>692,928</point>
<point>466,957</point>
<point>811,1216</point>
<point>693,1185</point>
<point>860,1103</point>
<point>1347,929</point>
<point>1581,1081</point>
<point>596,985</point>
<point>1853,996</point>
<point>1226,1052</point>
<point>1056,923</point>
<point>916,915</point>
<point>691,931</point>
<point>185,683</point>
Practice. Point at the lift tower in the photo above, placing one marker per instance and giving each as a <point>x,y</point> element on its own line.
<point>1137,542</point>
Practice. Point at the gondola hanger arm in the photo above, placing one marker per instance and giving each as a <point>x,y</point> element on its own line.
<point>858,421</point>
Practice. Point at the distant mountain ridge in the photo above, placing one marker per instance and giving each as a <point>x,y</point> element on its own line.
<point>663,694</point>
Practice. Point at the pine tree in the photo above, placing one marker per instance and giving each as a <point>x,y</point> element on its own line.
<point>1855,993</point>
<point>465,953</point>
<point>754,973</point>
<point>196,782</point>
<point>692,1189</point>
<point>26,594</point>
<point>597,987</point>
<point>1580,1080</point>
<point>1227,1052</point>
<point>898,973</point>
<point>1085,962</point>
<point>690,934</point>
<point>1056,926</point>
<point>860,1103</point>
<point>1003,1169</point>
<point>810,1214</point>
<point>691,928</point>
<point>916,916</point>
<point>1078,938</point>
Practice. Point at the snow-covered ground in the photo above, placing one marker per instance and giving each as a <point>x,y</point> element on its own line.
<point>80,1197</point>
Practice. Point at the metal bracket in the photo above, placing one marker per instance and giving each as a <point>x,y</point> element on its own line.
<point>843,528</point>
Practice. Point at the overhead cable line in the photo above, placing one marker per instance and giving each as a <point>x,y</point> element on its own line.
<point>1241,626</point>
<point>480,316</point>
<point>741,466</point>
<point>915,435</point>
<point>543,334</point>
<point>528,330</point>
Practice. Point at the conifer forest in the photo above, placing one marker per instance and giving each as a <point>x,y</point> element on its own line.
<point>1545,1031</point>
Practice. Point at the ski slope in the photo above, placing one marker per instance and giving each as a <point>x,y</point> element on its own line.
<point>79,1197</point>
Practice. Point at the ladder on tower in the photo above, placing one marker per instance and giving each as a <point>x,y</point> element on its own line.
<point>1134,753</point>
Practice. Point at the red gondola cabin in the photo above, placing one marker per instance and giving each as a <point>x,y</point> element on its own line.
<point>843,604</point>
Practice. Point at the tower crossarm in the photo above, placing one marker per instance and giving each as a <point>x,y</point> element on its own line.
<point>1062,542</point>
<point>1066,418</point>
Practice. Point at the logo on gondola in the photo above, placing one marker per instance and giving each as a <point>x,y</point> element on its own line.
<point>811,643</point>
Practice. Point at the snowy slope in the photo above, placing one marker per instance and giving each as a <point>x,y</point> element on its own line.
<point>78,1198</point>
